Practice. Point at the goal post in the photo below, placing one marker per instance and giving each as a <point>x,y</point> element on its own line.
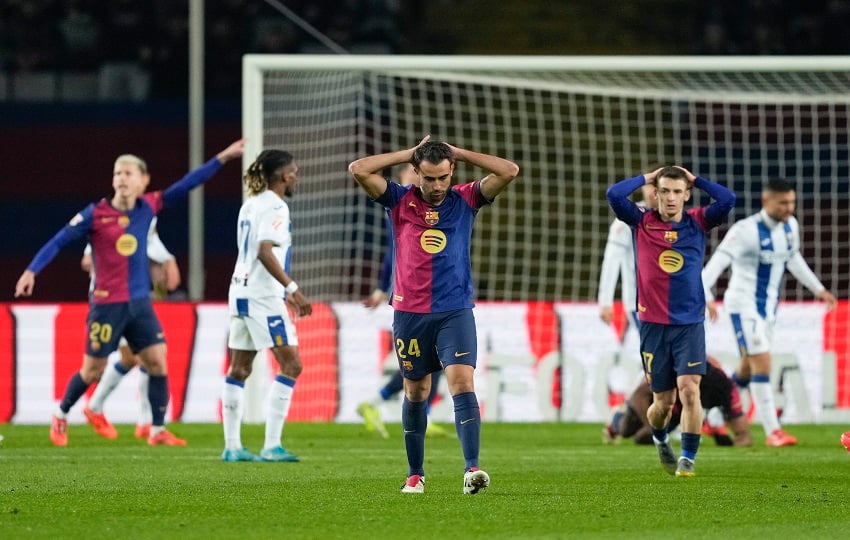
<point>574,125</point>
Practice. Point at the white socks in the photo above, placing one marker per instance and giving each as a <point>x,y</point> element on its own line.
<point>108,382</point>
<point>145,414</point>
<point>232,406</point>
<point>762,394</point>
<point>280,398</point>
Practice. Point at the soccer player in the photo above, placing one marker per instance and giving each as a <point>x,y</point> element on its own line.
<point>120,303</point>
<point>433,324</point>
<point>669,250</point>
<point>260,289</point>
<point>716,389</point>
<point>760,248</point>
<point>368,410</point>
<point>165,275</point>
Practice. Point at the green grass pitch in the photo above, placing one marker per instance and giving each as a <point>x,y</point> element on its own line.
<point>547,481</point>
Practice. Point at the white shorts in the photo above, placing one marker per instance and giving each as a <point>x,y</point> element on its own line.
<point>260,323</point>
<point>753,334</point>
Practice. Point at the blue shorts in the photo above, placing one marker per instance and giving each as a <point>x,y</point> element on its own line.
<point>135,320</point>
<point>669,351</point>
<point>428,342</point>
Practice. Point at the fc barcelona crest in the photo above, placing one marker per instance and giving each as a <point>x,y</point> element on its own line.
<point>432,217</point>
<point>671,237</point>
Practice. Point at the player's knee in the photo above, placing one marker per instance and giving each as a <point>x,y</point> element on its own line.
<point>240,372</point>
<point>689,395</point>
<point>416,391</point>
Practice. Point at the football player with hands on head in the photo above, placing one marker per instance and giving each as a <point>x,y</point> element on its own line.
<point>669,250</point>
<point>120,303</point>
<point>368,410</point>
<point>760,248</point>
<point>432,296</point>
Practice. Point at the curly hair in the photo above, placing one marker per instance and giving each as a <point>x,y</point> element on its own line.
<point>259,175</point>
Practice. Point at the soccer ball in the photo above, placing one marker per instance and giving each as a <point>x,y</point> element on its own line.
<point>845,440</point>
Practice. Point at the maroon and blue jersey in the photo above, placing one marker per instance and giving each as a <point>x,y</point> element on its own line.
<point>669,255</point>
<point>433,271</point>
<point>119,239</point>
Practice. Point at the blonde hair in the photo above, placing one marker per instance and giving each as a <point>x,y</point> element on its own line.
<point>255,179</point>
<point>134,160</point>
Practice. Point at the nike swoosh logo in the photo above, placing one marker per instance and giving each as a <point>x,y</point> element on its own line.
<point>411,203</point>
<point>410,431</point>
<point>694,364</point>
<point>459,354</point>
<point>468,420</point>
<point>275,323</point>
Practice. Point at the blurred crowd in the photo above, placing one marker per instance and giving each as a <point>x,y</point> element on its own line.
<point>139,49</point>
<point>774,27</point>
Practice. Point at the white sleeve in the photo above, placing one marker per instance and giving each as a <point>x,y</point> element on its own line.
<point>273,226</point>
<point>157,252</point>
<point>87,250</point>
<point>797,264</point>
<point>712,271</point>
<point>619,241</point>
<point>800,270</point>
<point>726,251</point>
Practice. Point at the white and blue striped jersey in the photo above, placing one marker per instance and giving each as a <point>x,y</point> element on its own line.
<point>263,218</point>
<point>759,249</point>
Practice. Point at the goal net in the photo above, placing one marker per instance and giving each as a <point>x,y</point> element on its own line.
<point>574,125</point>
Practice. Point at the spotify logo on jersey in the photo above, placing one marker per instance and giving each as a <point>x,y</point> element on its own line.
<point>126,244</point>
<point>433,241</point>
<point>671,261</point>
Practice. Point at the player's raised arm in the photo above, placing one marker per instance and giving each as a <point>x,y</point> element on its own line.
<point>366,170</point>
<point>724,200</point>
<point>502,172</point>
<point>193,179</point>
<point>618,197</point>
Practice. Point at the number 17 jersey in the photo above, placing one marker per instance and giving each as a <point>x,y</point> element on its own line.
<point>262,218</point>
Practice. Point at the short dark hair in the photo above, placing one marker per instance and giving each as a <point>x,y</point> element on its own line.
<point>433,152</point>
<point>778,185</point>
<point>670,171</point>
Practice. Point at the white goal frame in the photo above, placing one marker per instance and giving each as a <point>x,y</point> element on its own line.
<point>253,66</point>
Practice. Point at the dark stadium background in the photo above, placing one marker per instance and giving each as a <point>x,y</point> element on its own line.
<point>56,154</point>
